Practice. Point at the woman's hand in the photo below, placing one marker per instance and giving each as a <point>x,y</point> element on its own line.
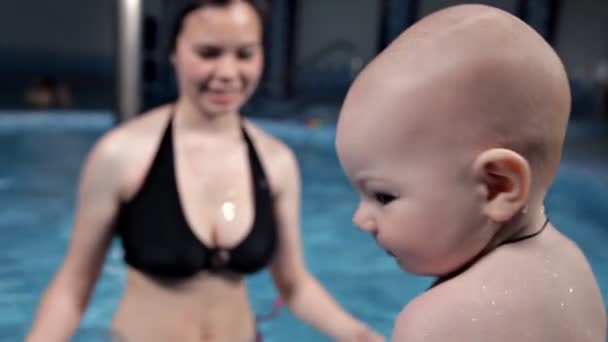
<point>364,335</point>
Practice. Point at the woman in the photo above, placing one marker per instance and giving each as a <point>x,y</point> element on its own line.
<point>200,198</point>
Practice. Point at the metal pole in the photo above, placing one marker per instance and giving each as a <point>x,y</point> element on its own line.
<point>129,58</point>
<point>278,40</point>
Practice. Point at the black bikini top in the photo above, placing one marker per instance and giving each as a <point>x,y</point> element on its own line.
<point>158,240</point>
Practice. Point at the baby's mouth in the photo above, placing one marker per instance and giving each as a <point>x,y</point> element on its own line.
<point>386,250</point>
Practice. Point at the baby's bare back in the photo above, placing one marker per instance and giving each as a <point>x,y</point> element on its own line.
<point>538,290</point>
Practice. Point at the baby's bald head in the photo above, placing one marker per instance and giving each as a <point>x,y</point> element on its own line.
<point>453,135</point>
<point>469,77</point>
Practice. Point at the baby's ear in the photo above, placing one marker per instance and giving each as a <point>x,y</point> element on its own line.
<point>505,178</point>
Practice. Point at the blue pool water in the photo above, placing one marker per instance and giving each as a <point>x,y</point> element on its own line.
<point>40,158</point>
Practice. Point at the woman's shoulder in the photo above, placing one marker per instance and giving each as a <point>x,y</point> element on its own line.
<point>272,149</point>
<point>278,158</point>
<point>127,139</point>
<point>146,125</point>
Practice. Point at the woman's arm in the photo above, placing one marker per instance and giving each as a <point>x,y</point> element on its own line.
<point>65,299</point>
<point>306,298</point>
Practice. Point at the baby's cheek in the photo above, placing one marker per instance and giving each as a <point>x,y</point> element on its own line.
<point>423,243</point>
<point>407,239</point>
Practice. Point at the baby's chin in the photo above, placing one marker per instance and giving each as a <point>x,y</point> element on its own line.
<point>407,264</point>
<point>403,265</point>
<point>398,259</point>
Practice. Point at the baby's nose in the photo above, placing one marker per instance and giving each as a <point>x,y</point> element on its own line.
<point>363,220</point>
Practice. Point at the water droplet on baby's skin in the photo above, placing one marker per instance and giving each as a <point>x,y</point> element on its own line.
<point>570,290</point>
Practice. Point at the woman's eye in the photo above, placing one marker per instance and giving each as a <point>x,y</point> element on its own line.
<point>244,54</point>
<point>209,53</point>
<point>384,198</point>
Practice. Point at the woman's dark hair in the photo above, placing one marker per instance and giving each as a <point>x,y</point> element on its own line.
<point>260,7</point>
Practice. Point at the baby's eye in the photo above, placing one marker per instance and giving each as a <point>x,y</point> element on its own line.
<point>384,198</point>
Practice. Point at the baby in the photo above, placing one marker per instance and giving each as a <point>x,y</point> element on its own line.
<point>453,136</point>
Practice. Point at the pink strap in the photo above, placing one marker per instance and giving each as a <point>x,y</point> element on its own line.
<point>276,309</point>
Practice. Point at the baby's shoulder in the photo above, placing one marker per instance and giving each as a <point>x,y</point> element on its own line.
<point>456,311</point>
<point>510,295</point>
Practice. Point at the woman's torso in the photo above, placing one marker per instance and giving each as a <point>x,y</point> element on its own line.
<point>207,305</point>
<point>203,308</point>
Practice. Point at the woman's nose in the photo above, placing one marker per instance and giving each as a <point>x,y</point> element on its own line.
<point>227,68</point>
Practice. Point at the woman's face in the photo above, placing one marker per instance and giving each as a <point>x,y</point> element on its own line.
<point>219,57</point>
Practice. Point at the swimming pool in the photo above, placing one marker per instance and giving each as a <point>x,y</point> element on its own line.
<point>40,158</point>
